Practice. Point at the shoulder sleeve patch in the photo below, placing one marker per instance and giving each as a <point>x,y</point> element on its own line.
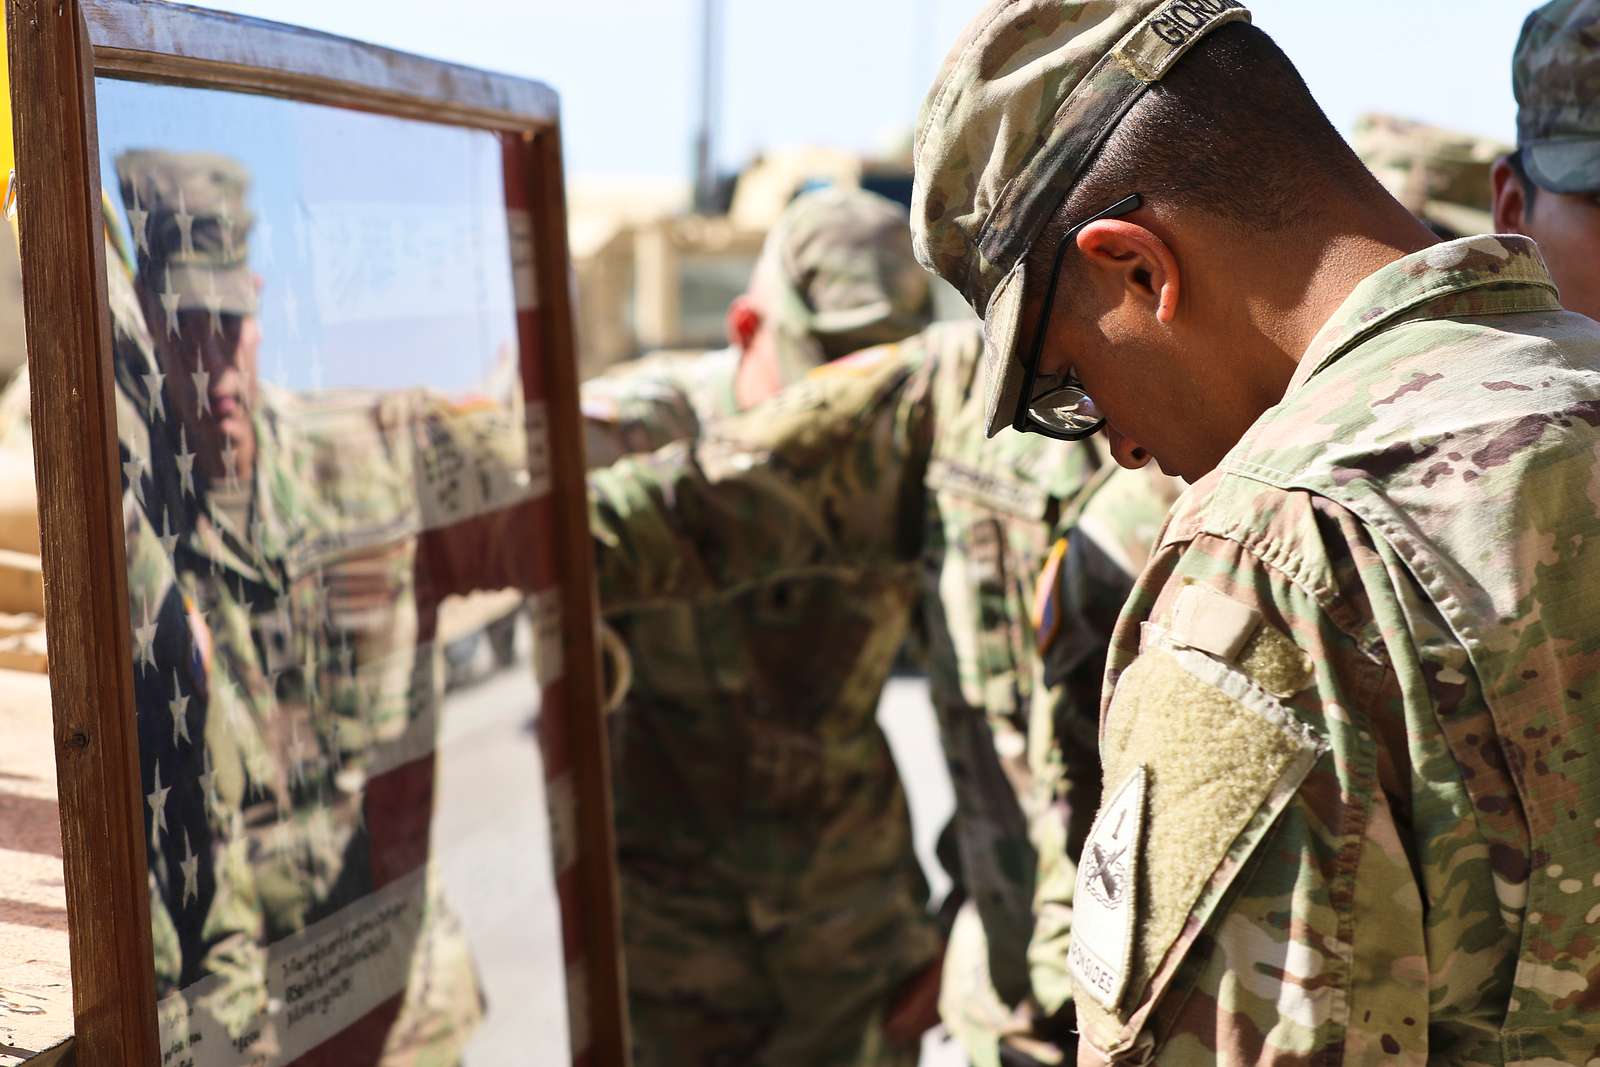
<point>864,362</point>
<point>1222,758</point>
<point>1047,599</point>
<point>1103,903</point>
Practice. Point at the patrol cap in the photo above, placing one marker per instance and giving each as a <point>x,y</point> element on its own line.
<point>190,227</point>
<point>1029,94</point>
<point>1440,175</point>
<point>837,275</point>
<point>1555,73</point>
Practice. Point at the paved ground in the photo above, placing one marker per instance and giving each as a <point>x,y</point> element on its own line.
<point>35,983</point>
<point>489,773</point>
<point>907,718</point>
<point>492,835</point>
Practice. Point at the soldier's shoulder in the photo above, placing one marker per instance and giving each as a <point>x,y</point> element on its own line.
<point>680,372</point>
<point>1124,516</point>
<point>652,401</point>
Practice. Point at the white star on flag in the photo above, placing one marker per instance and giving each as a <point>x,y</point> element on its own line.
<point>139,222</point>
<point>146,636</point>
<point>158,405</point>
<point>157,799</point>
<point>214,305</point>
<point>191,871</point>
<point>133,470</point>
<point>230,462</point>
<point>185,223</point>
<point>169,540</point>
<point>185,461</point>
<point>208,779</point>
<point>169,304</point>
<point>202,383</point>
<point>178,708</point>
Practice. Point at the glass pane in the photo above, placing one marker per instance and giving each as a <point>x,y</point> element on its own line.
<point>341,579</point>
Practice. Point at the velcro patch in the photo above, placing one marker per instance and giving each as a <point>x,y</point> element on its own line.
<point>1222,758</point>
<point>1103,905</point>
<point>1206,620</point>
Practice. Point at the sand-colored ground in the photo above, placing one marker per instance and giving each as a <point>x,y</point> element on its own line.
<point>35,984</point>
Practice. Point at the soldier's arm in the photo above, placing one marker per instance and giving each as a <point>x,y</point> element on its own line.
<point>623,416</point>
<point>827,477</point>
<point>1281,870</point>
<point>1080,596</point>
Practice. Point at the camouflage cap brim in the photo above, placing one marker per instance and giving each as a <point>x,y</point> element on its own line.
<point>1002,363</point>
<point>1570,165</point>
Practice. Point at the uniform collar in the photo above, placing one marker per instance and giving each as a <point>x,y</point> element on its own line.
<point>1473,276</point>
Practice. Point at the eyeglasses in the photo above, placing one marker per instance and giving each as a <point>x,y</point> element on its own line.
<point>1063,410</point>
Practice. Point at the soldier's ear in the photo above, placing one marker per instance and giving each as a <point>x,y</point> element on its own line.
<point>1510,202</point>
<point>1138,263</point>
<point>744,322</point>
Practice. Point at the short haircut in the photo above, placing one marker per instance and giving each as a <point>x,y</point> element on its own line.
<point>1530,191</point>
<point>1231,132</point>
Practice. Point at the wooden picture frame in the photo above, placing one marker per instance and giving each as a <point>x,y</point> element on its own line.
<point>57,50</point>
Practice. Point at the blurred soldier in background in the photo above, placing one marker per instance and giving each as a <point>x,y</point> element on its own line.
<point>1026,553</point>
<point>835,276</point>
<point>1442,177</point>
<point>773,908</point>
<point>1549,188</point>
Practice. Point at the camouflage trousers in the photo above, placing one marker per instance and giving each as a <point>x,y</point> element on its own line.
<point>991,1032</point>
<point>718,979</point>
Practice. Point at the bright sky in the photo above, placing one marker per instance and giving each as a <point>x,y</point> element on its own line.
<point>852,72</point>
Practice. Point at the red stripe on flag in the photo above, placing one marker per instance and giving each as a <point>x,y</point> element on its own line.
<point>360,1042</point>
<point>399,813</point>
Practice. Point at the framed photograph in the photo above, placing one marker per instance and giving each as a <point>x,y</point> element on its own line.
<point>331,764</point>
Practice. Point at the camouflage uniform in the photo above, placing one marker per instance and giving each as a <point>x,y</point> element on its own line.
<point>1349,727</point>
<point>1377,598</point>
<point>654,401</point>
<point>772,903</point>
<point>876,464</point>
